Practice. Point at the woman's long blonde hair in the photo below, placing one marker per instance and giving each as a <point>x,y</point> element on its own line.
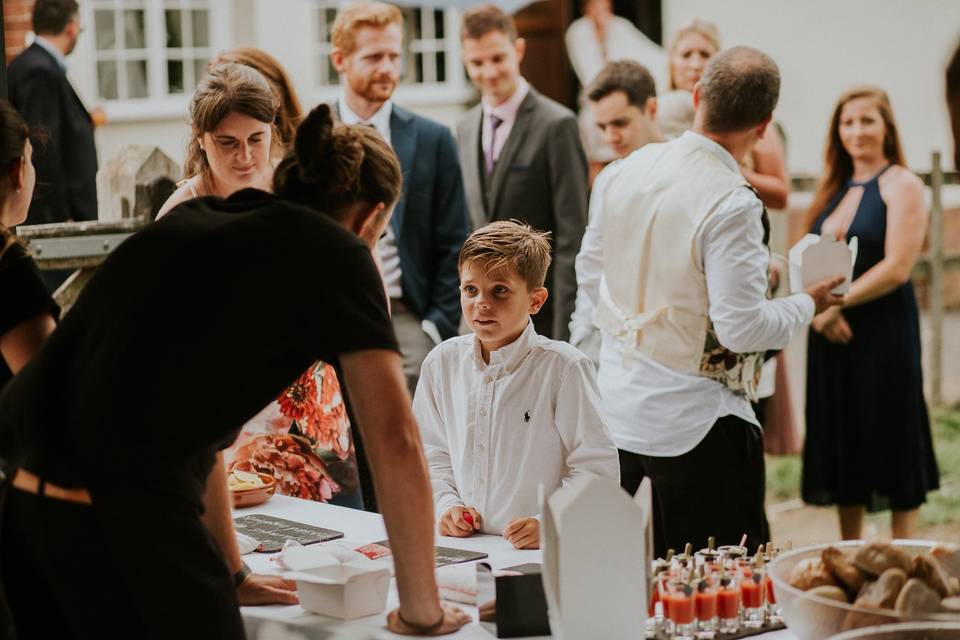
<point>837,163</point>
<point>698,25</point>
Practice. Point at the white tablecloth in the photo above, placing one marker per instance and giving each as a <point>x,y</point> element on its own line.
<point>361,527</point>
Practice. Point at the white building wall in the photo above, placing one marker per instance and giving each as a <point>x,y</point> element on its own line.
<point>284,28</point>
<point>824,47</point>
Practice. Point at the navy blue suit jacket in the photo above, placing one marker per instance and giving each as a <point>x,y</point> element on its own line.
<point>430,222</point>
<point>64,152</point>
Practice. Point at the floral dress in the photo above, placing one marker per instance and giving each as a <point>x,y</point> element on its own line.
<point>302,439</point>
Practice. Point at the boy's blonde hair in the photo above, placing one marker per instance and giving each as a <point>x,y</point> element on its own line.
<point>349,20</point>
<point>511,244</point>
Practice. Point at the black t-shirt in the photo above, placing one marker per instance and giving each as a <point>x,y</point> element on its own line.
<point>187,330</point>
<point>23,295</point>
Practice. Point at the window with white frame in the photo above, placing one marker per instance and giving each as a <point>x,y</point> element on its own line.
<point>431,47</point>
<point>149,49</point>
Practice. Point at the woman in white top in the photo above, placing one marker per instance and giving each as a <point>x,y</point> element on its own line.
<point>233,137</point>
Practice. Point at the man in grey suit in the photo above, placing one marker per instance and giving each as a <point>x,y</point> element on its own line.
<point>522,157</point>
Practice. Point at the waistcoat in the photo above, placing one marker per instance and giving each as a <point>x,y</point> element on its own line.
<point>653,295</point>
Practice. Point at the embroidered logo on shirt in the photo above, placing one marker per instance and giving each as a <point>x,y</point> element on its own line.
<point>526,416</point>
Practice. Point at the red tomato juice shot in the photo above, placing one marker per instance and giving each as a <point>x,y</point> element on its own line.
<point>728,603</point>
<point>752,596</point>
<point>706,602</point>
<point>654,599</point>
<point>771,597</point>
<point>681,608</point>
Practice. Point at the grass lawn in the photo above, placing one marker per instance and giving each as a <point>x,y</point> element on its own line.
<point>942,507</point>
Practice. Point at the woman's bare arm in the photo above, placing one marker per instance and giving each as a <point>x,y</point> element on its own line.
<point>18,345</point>
<point>769,173</point>
<point>256,589</point>
<point>907,217</point>
<point>380,401</point>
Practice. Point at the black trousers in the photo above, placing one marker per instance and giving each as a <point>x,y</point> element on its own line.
<point>717,489</point>
<point>76,571</point>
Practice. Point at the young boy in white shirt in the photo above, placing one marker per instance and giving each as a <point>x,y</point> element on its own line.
<point>505,410</point>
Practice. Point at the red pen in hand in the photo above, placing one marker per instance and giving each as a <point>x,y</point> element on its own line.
<point>468,518</point>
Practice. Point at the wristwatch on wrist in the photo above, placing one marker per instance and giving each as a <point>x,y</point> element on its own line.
<point>242,573</point>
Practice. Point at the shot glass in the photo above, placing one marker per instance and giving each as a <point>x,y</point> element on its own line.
<point>753,592</point>
<point>705,600</point>
<point>728,605</point>
<point>774,610</point>
<point>683,611</point>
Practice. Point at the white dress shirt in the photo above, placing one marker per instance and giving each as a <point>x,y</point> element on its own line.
<point>589,263</point>
<point>53,51</point>
<point>658,411</point>
<point>494,433</point>
<point>387,247</point>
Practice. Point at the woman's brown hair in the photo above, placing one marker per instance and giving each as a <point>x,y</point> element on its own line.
<point>289,113</point>
<point>333,166</point>
<point>227,88</point>
<point>837,163</point>
<point>13,140</point>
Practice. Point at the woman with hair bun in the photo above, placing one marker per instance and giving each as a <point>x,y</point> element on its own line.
<point>111,433</point>
<point>233,136</point>
<point>304,437</point>
<point>27,312</point>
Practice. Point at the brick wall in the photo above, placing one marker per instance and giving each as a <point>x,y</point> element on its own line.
<point>16,24</point>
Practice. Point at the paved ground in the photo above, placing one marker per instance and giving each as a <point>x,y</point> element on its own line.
<point>803,525</point>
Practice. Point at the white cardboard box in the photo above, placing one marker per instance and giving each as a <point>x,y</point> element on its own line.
<point>815,258</point>
<point>337,583</point>
<point>597,548</point>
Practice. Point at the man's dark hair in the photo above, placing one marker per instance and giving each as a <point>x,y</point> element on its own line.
<point>480,20</point>
<point>739,89</point>
<point>53,16</point>
<point>624,75</point>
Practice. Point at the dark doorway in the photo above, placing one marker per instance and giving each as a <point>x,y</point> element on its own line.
<point>647,15</point>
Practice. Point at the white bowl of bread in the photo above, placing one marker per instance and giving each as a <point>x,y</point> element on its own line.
<point>827,589</point>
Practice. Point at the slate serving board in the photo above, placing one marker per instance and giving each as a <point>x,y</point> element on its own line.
<point>273,532</point>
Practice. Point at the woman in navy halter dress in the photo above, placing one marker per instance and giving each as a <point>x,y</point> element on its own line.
<point>868,442</point>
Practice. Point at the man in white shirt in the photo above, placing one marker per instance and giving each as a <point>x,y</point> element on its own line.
<point>505,412</point>
<point>684,314</point>
<point>623,106</point>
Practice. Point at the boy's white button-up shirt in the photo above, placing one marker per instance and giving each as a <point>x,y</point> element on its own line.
<point>493,433</point>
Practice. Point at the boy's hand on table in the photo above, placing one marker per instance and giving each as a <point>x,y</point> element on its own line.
<point>460,522</point>
<point>523,533</point>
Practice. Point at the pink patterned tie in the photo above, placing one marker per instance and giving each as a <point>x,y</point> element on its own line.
<point>495,123</point>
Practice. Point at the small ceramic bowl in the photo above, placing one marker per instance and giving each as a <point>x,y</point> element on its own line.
<point>257,495</point>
